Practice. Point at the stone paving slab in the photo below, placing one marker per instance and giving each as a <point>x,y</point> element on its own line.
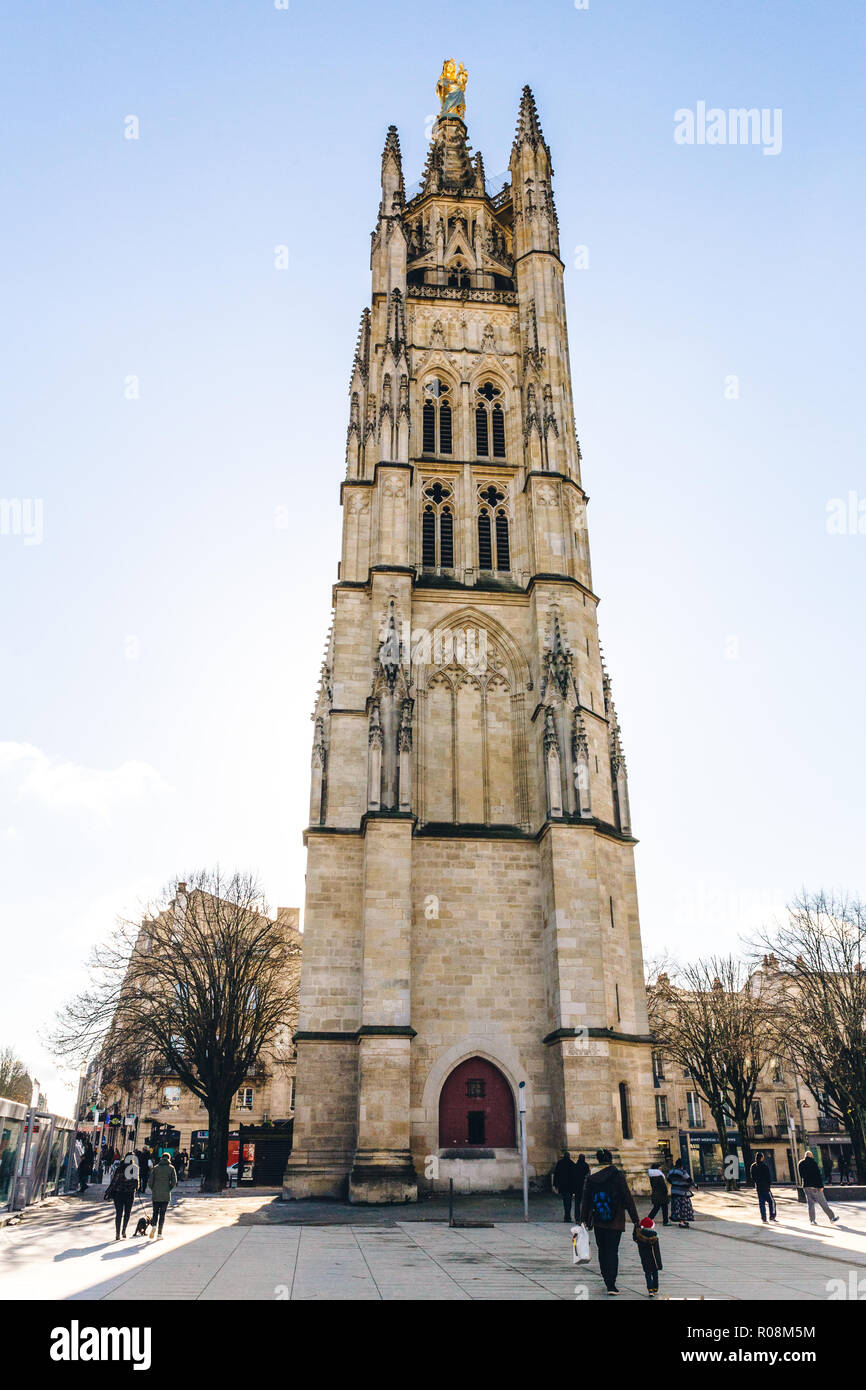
<point>217,1250</point>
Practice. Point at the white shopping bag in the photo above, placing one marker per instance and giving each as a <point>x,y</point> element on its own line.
<point>579,1245</point>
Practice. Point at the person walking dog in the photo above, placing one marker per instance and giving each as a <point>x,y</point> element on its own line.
<point>606,1200</point>
<point>163,1180</point>
<point>762,1178</point>
<point>813,1186</point>
<point>122,1187</point>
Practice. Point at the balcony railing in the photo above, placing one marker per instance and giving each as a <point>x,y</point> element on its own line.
<point>828,1125</point>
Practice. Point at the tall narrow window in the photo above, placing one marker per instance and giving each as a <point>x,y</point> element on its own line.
<point>485,546</point>
<point>481,441</point>
<point>428,539</point>
<point>503,556</point>
<point>444,428</point>
<point>625,1117</point>
<point>498,431</point>
<point>436,433</point>
<point>429,444</point>
<point>446,539</point>
<point>489,421</point>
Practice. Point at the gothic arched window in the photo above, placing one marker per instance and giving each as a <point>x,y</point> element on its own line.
<point>437,527</point>
<point>436,418</point>
<point>489,422</point>
<point>494,550</point>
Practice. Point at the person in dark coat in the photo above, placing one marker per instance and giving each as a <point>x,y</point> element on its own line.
<point>606,1200</point>
<point>85,1167</point>
<point>659,1193</point>
<point>122,1188</point>
<point>762,1178</point>
<point>563,1182</point>
<point>813,1186</point>
<point>649,1250</point>
<point>581,1171</point>
<point>680,1180</point>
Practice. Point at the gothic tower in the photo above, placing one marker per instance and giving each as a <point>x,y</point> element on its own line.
<point>471,912</point>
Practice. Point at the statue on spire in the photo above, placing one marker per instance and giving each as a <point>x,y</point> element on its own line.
<point>450,89</point>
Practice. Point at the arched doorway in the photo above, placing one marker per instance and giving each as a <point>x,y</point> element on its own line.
<point>476,1108</point>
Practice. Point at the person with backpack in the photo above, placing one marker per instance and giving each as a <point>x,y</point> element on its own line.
<point>762,1178</point>
<point>813,1186</point>
<point>682,1210</point>
<point>122,1187</point>
<point>163,1180</point>
<point>606,1200</point>
<point>563,1182</point>
<point>659,1193</point>
<point>649,1251</point>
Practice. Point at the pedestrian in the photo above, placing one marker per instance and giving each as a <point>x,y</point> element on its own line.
<point>813,1186</point>
<point>563,1183</point>
<point>659,1193</point>
<point>606,1199</point>
<point>163,1180</point>
<point>581,1169</point>
<point>762,1178</point>
<point>828,1171</point>
<point>122,1187</point>
<point>143,1165</point>
<point>844,1170</point>
<point>85,1167</point>
<point>649,1250</point>
<point>180,1164</point>
<point>680,1180</point>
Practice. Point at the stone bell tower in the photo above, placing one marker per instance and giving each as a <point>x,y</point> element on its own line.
<point>471,916</point>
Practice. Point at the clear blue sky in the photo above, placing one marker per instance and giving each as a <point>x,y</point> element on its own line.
<point>160,648</point>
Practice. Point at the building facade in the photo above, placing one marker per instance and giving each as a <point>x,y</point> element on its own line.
<point>471,923</point>
<point>686,1128</point>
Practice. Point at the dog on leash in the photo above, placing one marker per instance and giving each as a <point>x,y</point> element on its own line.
<point>142,1225</point>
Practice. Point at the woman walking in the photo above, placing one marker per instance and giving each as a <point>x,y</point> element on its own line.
<point>122,1187</point>
<point>682,1210</point>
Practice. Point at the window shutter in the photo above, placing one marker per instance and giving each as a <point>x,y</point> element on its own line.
<point>503,557</point>
<point>485,547</point>
<point>481,441</point>
<point>498,432</point>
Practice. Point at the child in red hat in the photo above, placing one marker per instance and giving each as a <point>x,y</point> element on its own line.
<point>650,1253</point>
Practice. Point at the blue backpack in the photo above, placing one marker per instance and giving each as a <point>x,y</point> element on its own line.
<point>605,1200</point>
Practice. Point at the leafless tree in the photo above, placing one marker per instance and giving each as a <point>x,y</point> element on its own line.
<point>15,1082</point>
<point>816,959</point>
<point>205,989</point>
<point>711,1021</point>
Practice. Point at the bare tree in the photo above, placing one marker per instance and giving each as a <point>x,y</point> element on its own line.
<point>205,988</point>
<point>15,1082</point>
<point>818,976</point>
<point>711,1022</point>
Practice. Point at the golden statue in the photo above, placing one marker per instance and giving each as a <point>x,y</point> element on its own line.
<point>450,89</point>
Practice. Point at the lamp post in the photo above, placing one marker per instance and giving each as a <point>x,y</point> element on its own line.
<point>521,1110</point>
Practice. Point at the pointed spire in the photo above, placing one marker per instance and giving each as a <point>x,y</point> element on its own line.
<point>528,130</point>
<point>393,191</point>
<point>449,167</point>
<point>361,360</point>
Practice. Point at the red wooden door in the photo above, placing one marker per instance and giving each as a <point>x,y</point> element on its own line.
<point>476,1108</point>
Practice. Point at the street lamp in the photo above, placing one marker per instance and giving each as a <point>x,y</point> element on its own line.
<point>521,1110</point>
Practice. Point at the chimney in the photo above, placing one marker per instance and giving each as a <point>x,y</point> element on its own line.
<point>181,887</point>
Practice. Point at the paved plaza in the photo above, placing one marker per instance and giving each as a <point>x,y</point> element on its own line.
<point>243,1246</point>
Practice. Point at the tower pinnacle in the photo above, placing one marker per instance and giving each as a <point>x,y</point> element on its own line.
<point>528,125</point>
